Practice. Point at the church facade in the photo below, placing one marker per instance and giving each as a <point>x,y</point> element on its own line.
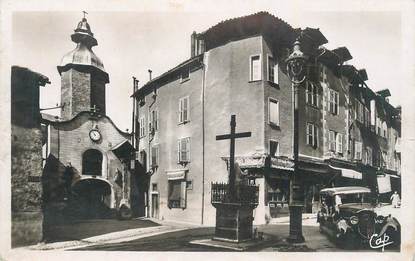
<point>88,171</point>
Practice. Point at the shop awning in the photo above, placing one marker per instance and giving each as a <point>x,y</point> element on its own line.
<point>348,173</point>
<point>176,174</point>
<point>384,183</point>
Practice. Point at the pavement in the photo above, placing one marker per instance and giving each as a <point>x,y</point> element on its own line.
<point>157,235</point>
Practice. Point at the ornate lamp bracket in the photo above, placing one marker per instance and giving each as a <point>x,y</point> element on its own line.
<point>296,64</point>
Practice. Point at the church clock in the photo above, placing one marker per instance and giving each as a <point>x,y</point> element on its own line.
<point>95,135</point>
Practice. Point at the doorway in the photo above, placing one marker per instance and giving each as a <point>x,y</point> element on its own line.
<point>155,205</point>
<point>91,198</point>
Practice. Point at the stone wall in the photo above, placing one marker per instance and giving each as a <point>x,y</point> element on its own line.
<point>26,157</point>
<point>26,186</point>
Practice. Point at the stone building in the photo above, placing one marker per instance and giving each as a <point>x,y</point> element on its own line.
<point>238,67</point>
<point>26,156</point>
<point>88,171</point>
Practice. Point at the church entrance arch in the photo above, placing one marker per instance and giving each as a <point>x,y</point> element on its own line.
<point>92,198</point>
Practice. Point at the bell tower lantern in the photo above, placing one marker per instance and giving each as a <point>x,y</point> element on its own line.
<point>83,76</point>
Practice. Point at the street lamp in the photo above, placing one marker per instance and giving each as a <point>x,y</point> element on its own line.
<point>296,69</point>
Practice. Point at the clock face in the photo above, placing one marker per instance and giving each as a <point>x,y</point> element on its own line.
<point>95,135</point>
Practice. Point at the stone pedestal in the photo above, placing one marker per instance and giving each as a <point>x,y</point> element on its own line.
<point>233,222</point>
<point>234,212</point>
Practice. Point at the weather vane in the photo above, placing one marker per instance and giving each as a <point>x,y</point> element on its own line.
<point>85,13</point>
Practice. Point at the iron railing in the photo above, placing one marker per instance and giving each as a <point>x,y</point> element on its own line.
<point>244,194</point>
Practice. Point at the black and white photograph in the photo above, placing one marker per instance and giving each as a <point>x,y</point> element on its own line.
<point>193,129</point>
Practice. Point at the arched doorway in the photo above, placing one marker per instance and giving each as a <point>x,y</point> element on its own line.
<point>91,199</point>
<point>92,162</point>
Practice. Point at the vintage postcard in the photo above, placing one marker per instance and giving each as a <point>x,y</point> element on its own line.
<point>249,130</point>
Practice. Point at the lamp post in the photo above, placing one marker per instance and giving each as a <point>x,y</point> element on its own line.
<point>296,69</point>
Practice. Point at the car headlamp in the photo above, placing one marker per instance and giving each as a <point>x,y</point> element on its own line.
<point>354,220</point>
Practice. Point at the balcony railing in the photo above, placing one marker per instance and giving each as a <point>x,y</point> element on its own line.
<point>244,194</point>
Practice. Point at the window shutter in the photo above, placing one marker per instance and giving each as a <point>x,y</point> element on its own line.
<point>178,151</point>
<point>188,149</point>
<point>336,103</point>
<point>315,136</point>
<point>180,110</point>
<point>274,112</point>
<point>150,120</point>
<point>276,73</point>
<point>157,120</point>
<point>255,68</point>
<point>184,150</point>
<point>183,194</point>
<point>331,140</point>
<point>339,143</point>
<point>187,109</point>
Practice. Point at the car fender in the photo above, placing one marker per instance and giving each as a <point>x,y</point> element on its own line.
<point>389,222</point>
<point>342,226</point>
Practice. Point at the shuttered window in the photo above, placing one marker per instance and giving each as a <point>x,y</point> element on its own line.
<point>155,156</point>
<point>312,135</point>
<point>183,150</point>
<point>312,94</point>
<point>255,67</point>
<point>153,123</point>
<point>184,115</point>
<point>274,112</point>
<point>339,143</point>
<point>333,102</point>
<point>272,70</point>
<point>142,127</point>
<point>332,140</point>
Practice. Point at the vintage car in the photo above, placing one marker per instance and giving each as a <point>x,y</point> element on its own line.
<point>347,215</point>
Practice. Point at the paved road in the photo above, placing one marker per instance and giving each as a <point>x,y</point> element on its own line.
<point>180,241</point>
<point>81,229</point>
<point>276,233</point>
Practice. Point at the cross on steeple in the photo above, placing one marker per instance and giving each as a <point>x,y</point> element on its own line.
<point>232,136</point>
<point>85,13</point>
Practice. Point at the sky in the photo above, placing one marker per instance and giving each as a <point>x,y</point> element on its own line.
<point>131,42</point>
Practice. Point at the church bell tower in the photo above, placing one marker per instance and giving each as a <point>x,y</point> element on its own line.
<point>83,76</point>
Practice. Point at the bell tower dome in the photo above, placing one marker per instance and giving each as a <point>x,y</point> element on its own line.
<point>83,76</point>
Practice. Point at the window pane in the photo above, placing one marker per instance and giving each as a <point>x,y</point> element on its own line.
<point>270,69</point>
<point>255,68</point>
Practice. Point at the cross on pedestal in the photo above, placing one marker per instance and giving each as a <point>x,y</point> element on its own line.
<point>85,13</point>
<point>232,136</point>
<point>94,109</point>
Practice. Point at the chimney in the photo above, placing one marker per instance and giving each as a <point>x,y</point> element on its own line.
<point>192,44</point>
<point>149,73</point>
